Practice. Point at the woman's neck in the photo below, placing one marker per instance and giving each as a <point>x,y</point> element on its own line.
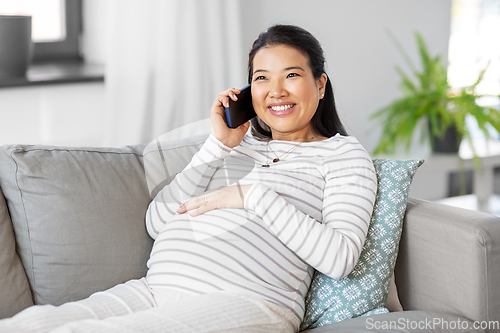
<point>296,137</point>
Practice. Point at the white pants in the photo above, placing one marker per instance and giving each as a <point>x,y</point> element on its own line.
<point>134,307</point>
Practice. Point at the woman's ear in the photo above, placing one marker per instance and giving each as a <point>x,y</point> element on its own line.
<point>322,84</point>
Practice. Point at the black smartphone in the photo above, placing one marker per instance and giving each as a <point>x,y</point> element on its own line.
<point>240,111</point>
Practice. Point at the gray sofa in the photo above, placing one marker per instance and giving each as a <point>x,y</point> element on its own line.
<point>72,223</point>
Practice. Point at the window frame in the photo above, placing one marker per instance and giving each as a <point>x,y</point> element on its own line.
<point>69,47</point>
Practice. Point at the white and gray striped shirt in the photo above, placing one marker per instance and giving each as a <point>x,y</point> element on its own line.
<point>309,211</point>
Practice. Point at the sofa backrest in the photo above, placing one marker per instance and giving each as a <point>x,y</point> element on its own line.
<point>78,217</point>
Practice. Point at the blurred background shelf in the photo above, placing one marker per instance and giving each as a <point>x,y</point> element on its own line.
<point>57,73</point>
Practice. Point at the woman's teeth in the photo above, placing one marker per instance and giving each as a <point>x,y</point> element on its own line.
<point>282,107</point>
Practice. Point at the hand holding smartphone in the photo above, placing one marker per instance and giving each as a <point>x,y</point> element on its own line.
<point>240,111</point>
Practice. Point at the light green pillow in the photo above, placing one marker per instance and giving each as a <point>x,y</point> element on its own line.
<point>364,290</point>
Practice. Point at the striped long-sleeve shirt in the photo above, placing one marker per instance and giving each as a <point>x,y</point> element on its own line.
<point>310,210</point>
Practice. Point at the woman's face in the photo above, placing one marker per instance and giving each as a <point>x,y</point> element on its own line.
<point>285,93</point>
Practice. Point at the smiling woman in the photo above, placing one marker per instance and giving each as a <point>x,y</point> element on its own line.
<point>237,238</point>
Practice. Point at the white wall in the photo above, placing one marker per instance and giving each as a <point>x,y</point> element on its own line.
<point>69,114</point>
<point>96,20</point>
<point>354,34</point>
<point>361,57</point>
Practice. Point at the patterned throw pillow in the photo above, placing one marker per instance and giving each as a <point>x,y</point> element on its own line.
<point>364,290</point>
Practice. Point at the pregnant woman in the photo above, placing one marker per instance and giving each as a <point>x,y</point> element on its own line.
<point>241,230</point>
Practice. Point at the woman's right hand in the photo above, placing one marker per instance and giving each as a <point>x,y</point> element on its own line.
<point>231,137</point>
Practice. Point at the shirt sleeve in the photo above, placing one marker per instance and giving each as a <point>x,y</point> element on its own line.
<point>333,245</point>
<point>190,182</point>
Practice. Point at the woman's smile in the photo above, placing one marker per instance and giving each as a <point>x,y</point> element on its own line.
<point>280,109</point>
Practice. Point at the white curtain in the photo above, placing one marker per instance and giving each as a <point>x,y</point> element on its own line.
<point>166,62</point>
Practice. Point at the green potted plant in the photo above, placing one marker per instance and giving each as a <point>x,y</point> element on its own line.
<point>429,102</point>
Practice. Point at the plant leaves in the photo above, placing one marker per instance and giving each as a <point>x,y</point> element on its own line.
<point>432,104</point>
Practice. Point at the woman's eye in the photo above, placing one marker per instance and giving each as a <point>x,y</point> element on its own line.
<point>292,75</point>
<point>261,77</point>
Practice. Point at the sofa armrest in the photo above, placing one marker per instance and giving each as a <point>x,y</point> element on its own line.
<point>449,261</point>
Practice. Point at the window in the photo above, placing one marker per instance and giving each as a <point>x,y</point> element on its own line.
<point>474,43</point>
<point>56,26</point>
<point>475,27</point>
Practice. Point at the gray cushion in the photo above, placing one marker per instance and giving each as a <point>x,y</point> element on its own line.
<point>15,293</point>
<point>78,216</point>
<point>164,158</point>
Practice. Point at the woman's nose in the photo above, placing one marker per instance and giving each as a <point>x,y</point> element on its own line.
<point>277,91</point>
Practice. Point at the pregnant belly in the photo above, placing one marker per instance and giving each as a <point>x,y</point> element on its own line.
<point>227,249</point>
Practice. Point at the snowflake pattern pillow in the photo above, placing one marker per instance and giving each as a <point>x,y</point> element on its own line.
<point>364,291</point>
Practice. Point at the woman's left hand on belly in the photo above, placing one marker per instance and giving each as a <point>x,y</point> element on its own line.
<point>225,197</point>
